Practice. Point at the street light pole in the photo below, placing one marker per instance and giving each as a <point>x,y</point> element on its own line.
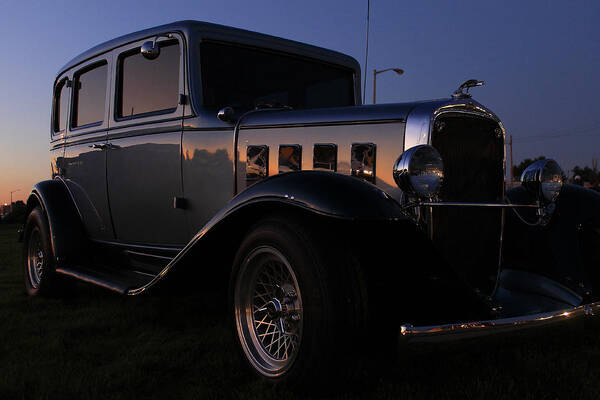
<point>374,85</point>
<point>375,72</point>
<point>11,206</point>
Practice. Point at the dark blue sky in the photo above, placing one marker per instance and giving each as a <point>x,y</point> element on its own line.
<point>540,60</point>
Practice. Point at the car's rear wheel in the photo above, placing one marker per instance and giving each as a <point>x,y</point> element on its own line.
<point>294,301</point>
<point>37,255</point>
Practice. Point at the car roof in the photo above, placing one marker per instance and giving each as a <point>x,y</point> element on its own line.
<point>199,29</point>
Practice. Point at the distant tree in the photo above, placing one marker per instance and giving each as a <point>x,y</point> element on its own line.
<point>586,174</point>
<point>518,169</point>
<point>17,214</point>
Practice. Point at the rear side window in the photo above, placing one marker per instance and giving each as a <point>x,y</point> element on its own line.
<point>148,86</point>
<point>90,95</point>
<point>61,106</point>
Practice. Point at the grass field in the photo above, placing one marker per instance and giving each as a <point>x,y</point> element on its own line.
<point>96,344</point>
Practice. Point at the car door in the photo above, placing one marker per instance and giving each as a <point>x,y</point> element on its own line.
<point>84,165</point>
<point>144,145</point>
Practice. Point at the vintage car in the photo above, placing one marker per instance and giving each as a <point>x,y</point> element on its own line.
<point>244,160</point>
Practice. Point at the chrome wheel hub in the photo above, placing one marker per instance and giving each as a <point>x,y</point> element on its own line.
<point>35,259</point>
<point>268,311</point>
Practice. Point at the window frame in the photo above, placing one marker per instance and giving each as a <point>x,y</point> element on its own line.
<point>88,67</point>
<point>152,116</point>
<point>61,80</point>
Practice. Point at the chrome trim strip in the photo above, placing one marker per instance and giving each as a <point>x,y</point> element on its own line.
<point>462,330</point>
<point>143,273</point>
<point>138,246</point>
<point>176,118</point>
<point>464,204</point>
<point>187,128</point>
<point>336,123</point>
<point>138,253</point>
<point>86,137</point>
<point>82,276</point>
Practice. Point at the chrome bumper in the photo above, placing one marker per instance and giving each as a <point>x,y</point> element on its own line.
<point>438,333</point>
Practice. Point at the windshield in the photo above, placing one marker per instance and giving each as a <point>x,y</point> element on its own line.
<point>246,77</point>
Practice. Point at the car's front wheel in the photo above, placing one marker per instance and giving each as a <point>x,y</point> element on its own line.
<point>268,310</point>
<point>293,302</point>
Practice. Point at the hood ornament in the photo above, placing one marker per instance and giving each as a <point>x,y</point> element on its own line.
<point>459,94</point>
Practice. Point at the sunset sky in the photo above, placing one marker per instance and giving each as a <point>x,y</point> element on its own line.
<point>540,61</point>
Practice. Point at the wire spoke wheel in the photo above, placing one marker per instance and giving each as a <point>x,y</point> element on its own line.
<point>35,258</point>
<point>38,261</point>
<point>268,311</point>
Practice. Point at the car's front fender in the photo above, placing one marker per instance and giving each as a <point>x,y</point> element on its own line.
<point>318,193</point>
<point>325,193</point>
<point>558,249</point>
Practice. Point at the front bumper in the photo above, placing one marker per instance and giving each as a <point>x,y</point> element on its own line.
<point>457,331</point>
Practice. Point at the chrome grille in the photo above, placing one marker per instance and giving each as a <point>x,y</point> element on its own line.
<point>473,155</point>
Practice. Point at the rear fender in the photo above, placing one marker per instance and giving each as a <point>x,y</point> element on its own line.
<point>67,235</point>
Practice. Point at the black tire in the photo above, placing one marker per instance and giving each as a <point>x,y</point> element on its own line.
<point>38,260</point>
<point>316,310</point>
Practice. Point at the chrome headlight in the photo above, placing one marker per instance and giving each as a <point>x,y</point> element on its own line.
<point>419,171</point>
<point>543,179</point>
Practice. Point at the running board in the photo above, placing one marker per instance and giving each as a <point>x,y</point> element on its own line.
<point>448,332</point>
<point>120,281</point>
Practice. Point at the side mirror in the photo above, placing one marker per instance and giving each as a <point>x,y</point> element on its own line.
<point>225,114</point>
<point>150,50</point>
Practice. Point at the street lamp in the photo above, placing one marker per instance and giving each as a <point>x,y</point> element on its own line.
<point>375,72</point>
<point>11,206</point>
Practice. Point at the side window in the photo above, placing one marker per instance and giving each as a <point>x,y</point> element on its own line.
<point>148,86</point>
<point>90,95</point>
<point>61,106</point>
<point>246,77</point>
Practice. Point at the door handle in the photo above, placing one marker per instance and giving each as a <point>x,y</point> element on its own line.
<point>104,146</point>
